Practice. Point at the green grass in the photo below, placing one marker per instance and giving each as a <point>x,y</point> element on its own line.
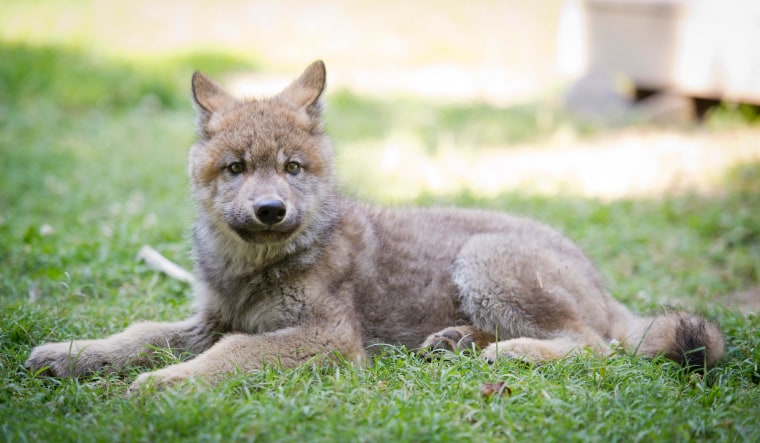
<point>467,125</point>
<point>92,166</point>
<point>399,398</point>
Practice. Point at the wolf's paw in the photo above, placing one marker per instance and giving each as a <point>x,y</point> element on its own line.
<point>65,360</point>
<point>526,350</point>
<point>446,340</point>
<point>160,379</point>
<point>449,339</point>
<point>495,351</point>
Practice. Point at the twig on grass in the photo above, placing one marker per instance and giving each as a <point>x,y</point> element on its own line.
<point>158,262</point>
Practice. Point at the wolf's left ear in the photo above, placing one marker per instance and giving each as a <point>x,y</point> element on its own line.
<point>305,91</point>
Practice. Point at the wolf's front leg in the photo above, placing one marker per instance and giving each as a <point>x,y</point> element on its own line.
<point>245,352</point>
<point>135,346</point>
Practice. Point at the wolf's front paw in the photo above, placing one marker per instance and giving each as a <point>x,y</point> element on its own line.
<point>161,379</point>
<point>66,359</point>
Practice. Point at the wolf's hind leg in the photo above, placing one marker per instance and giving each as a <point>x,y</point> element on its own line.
<point>538,351</point>
<point>456,338</point>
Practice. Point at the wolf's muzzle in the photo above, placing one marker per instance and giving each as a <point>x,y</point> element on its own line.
<point>270,212</point>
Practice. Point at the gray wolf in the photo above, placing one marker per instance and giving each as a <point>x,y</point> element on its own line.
<point>289,270</point>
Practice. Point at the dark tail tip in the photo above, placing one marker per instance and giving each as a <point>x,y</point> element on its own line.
<point>698,343</point>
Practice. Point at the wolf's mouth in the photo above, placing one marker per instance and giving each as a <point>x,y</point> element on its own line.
<point>263,235</point>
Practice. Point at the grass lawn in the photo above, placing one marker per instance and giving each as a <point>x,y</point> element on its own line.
<point>92,167</point>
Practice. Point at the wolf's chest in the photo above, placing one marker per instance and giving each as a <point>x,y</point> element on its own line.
<point>254,307</point>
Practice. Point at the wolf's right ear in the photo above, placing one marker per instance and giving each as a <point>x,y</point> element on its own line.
<point>208,98</point>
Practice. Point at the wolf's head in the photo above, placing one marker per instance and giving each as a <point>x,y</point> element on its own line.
<point>262,169</point>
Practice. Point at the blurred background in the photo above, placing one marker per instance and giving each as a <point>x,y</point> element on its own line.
<point>436,96</point>
<point>588,114</point>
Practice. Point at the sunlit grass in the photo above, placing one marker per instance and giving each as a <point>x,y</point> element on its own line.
<point>633,163</point>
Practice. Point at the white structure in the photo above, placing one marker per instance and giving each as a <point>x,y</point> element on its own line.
<point>699,48</point>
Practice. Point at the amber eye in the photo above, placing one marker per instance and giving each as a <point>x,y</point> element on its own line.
<point>292,168</point>
<point>236,168</point>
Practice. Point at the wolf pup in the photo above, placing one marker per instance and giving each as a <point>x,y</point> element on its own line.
<point>288,269</point>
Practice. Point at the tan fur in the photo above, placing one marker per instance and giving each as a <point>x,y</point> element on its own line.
<point>288,270</point>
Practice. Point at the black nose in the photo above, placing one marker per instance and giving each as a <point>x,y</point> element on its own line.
<point>270,211</point>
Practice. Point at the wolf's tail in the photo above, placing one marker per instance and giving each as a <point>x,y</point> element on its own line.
<point>688,339</point>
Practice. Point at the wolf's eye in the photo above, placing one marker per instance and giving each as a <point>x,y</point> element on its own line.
<point>236,168</point>
<point>293,168</point>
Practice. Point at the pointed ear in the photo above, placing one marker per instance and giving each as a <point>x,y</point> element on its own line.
<point>208,95</point>
<point>208,98</point>
<point>306,90</point>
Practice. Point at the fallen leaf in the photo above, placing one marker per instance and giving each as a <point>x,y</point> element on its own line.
<point>499,388</point>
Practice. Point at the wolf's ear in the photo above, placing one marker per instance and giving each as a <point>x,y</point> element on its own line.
<point>305,91</point>
<point>208,98</point>
<point>208,95</point>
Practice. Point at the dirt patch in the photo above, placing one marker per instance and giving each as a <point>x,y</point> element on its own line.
<point>745,301</point>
